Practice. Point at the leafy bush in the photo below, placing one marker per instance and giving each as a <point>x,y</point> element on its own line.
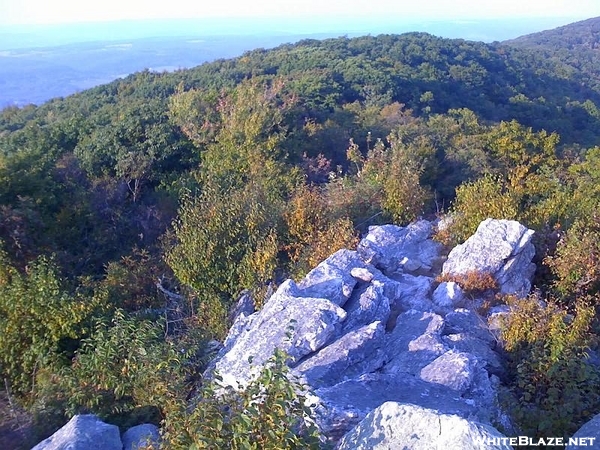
<point>397,170</point>
<point>576,263</point>
<point>476,201</point>
<point>270,413</point>
<point>314,230</point>
<point>127,372</point>
<point>225,243</point>
<point>556,387</point>
<point>39,320</point>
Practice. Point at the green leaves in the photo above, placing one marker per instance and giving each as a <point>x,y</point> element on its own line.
<point>546,350</point>
<point>270,413</point>
<point>37,316</point>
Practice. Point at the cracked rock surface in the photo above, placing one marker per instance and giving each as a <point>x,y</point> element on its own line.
<point>372,329</point>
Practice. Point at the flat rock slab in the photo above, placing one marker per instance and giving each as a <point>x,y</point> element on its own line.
<point>405,426</point>
<point>355,353</point>
<point>296,325</point>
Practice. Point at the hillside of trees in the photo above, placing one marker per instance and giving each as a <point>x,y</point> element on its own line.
<point>133,214</point>
<point>577,36</point>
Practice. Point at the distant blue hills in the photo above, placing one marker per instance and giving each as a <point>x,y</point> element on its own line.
<point>43,62</point>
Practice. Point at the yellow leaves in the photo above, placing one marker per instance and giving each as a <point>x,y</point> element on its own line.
<point>306,213</point>
<point>576,263</point>
<point>477,201</point>
<point>546,348</point>
<point>314,231</point>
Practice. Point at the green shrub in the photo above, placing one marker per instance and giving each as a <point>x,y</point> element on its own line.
<point>557,389</point>
<point>39,322</point>
<point>270,413</point>
<point>314,230</point>
<point>476,201</point>
<point>576,263</point>
<point>128,371</point>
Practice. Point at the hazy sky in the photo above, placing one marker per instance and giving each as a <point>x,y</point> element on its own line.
<point>63,11</point>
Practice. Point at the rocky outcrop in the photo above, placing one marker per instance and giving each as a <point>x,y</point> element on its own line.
<point>401,249</point>
<point>84,432</point>
<point>501,248</point>
<point>404,426</point>
<point>394,358</point>
<point>372,326</point>
<point>298,325</point>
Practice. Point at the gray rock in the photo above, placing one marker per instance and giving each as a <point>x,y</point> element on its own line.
<point>84,432</point>
<point>405,426</point>
<point>360,336</point>
<point>332,278</point>
<point>466,321</point>
<point>453,369</point>
<point>410,292</point>
<point>145,436</point>
<point>501,248</point>
<point>299,326</point>
<point>366,306</point>
<point>414,343</point>
<point>591,431</point>
<point>245,305</point>
<point>348,402</point>
<point>391,248</point>
<point>463,342</point>
<point>448,295</point>
<point>354,354</point>
<point>362,274</point>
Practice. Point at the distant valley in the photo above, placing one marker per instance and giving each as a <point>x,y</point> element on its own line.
<point>35,75</point>
<point>47,62</point>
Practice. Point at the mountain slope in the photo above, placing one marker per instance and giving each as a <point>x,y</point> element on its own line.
<point>584,35</point>
<point>426,73</point>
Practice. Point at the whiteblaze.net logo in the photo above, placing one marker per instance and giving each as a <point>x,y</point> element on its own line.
<point>537,442</point>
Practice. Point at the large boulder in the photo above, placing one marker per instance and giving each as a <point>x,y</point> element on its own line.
<point>332,279</point>
<point>448,295</point>
<point>347,403</point>
<point>354,354</point>
<point>467,343</point>
<point>414,342</point>
<point>453,369</point>
<point>405,426</point>
<point>407,249</point>
<point>297,325</point>
<point>410,292</point>
<point>84,432</point>
<point>501,248</point>
<point>142,437</point>
<point>368,304</point>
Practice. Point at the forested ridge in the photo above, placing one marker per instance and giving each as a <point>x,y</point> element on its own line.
<point>133,214</point>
